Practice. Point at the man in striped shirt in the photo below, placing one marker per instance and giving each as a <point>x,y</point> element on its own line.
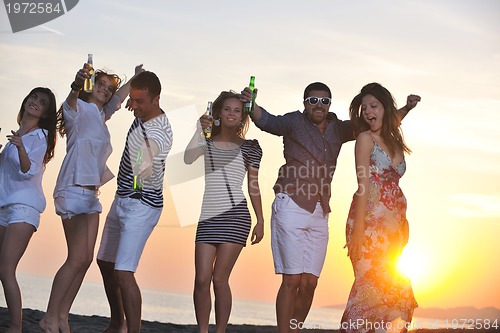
<point>136,209</point>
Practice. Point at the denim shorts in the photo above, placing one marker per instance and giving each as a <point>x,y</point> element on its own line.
<point>76,200</point>
<point>17,213</point>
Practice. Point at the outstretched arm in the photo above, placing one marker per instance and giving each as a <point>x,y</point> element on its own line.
<point>76,86</point>
<point>411,102</point>
<point>246,96</point>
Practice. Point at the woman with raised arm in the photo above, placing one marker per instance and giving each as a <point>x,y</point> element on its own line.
<point>82,173</point>
<point>377,229</point>
<point>225,220</point>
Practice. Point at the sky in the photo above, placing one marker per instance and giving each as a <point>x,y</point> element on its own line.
<point>446,51</point>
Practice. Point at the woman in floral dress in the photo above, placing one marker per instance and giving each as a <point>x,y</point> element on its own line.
<point>377,229</point>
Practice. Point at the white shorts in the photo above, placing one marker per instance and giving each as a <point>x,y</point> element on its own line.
<point>76,200</point>
<point>299,239</point>
<point>17,213</point>
<point>128,226</point>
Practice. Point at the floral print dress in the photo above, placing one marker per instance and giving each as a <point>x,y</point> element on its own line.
<point>380,294</point>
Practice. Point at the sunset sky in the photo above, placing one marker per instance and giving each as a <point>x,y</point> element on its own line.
<point>447,51</point>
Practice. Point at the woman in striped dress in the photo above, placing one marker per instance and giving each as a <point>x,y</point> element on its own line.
<point>225,221</point>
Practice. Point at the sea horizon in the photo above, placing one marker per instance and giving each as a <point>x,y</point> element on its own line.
<point>177,308</point>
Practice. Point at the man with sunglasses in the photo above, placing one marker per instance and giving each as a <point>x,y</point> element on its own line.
<point>299,223</point>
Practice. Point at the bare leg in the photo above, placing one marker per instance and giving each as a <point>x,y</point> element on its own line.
<point>117,323</point>
<point>81,234</point>
<point>227,254</point>
<point>13,243</point>
<point>285,301</point>
<point>305,294</point>
<point>204,262</point>
<point>69,298</point>
<point>131,298</point>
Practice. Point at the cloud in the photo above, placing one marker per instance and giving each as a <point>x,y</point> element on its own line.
<point>52,30</point>
<point>475,205</point>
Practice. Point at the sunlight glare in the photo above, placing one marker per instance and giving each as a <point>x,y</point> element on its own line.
<point>416,264</point>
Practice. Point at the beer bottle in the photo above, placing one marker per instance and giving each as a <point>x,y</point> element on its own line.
<point>249,105</point>
<point>207,131</point>
<point>136,168</point>
<point>88,84</point>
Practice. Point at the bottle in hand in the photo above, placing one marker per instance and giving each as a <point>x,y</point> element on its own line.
<point>248,109</point>
<point>88,84</point>
<point>137,186</point>
<point>207,131</point>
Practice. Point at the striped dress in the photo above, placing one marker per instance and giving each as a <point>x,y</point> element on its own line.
<point>224,213</point>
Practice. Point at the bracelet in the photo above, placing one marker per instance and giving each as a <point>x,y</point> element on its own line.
<point>76,87</point>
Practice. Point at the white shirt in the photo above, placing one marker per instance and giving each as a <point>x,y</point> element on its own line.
<point>17,187</point>
<point>88,145</point>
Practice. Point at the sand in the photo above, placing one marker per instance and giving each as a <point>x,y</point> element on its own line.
<point>96,324</point>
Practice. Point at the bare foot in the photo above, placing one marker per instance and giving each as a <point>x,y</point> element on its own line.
<point>116,329</point>
<point>48,327</point>
<point>64,325</point>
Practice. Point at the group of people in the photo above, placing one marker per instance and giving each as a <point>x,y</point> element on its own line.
<point>132,216</point>
<point>376,231</point>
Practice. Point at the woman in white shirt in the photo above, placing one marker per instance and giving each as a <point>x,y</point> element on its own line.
<point>82,172</point>
<point>22,164</point>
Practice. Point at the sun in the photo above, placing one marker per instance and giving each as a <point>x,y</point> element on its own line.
<point>417,264</point>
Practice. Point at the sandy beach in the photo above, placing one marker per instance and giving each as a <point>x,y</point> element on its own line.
<point>95,324</point>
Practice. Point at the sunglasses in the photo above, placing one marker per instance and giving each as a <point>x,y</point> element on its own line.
<point>312,100</point>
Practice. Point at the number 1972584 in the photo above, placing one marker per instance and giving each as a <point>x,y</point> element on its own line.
<point>472,324</point>
<point>33,8</point>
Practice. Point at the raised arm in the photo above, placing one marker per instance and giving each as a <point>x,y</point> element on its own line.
<point>194,149</point>
<point>76,86</point>
<point>411,102</point>
<point>125,89</point>
<point>246,96</point>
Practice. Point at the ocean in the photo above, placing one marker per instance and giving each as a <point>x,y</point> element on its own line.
<point>177,308</point>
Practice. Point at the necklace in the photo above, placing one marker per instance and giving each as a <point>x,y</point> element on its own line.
<point>30,129</point>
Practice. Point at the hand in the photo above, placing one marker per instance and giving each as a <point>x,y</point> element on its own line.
<point>128,105</point>
<point>82,74</point>
<point>206,121</point>
<point>138,69</point>
<point>411,102</point>
<point>146,169</point>
<point>246,95</point>
<point>16,140</point>
<point>356,243</point>
<point>257,233</point>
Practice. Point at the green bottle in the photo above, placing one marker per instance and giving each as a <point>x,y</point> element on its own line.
<point>249,105</point>
<point>137,167</point>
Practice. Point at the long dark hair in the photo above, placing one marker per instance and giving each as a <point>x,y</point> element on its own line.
<point>84,96</point>
<point>217,108</point>
<point>48,121</point>
<point>391,131</point>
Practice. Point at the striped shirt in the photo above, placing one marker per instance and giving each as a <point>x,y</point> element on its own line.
<point>159,131</point>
